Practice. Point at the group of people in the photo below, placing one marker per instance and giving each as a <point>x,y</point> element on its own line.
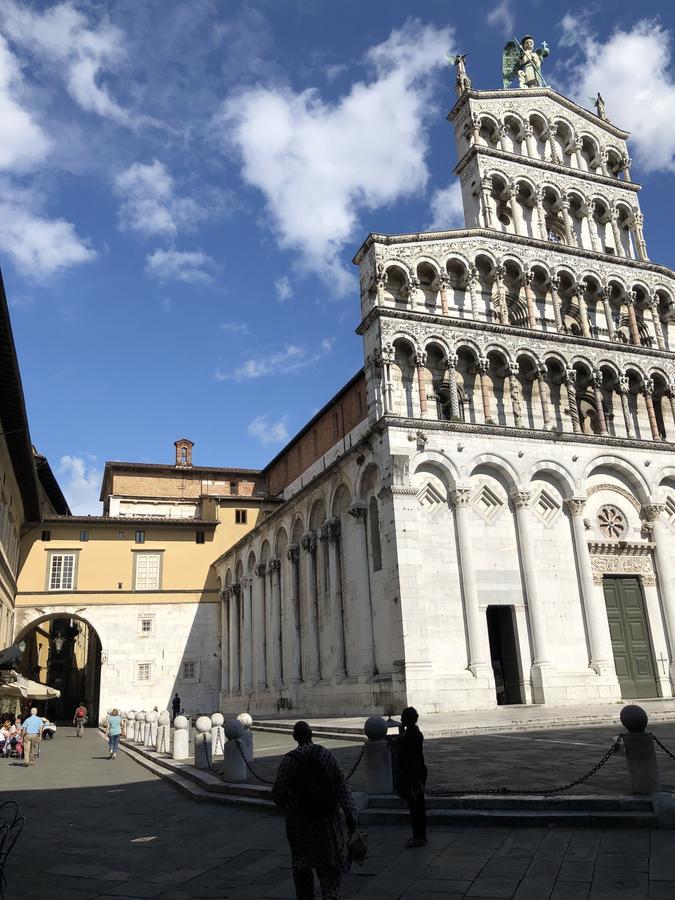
<point>320,811</point>
<point>22,736</point>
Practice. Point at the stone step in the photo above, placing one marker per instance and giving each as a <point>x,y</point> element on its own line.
<point>536,802</point>
<point>531,818</point>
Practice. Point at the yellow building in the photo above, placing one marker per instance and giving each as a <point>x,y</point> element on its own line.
<point>123,609</point>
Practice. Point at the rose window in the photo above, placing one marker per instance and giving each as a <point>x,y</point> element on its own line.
<point>612,522</point>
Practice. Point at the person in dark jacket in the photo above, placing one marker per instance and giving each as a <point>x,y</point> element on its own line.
<point>412,774</point>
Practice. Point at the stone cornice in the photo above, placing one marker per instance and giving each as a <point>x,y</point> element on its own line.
<point>389,240</point>
<point>545,166</point>
<point>564,437</point>
<point>528,93</point>
<point>386,312</point>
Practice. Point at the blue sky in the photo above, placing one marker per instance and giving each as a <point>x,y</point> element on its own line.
<point>183,186</point>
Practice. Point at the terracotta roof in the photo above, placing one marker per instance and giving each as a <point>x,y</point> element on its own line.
<point>128,520</point>
<point>169,469</point>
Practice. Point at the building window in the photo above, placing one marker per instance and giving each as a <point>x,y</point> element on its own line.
<point>189,670</point>
<point>46,535</point>
<point>145,626</point>
<point>144,671</point>
<point>147,573</point>
<point>140,536</point>
<point>62,572</point>
<point>234,487</point>
<point>200,537</point>
<point>84,536</point>
<point>120,534</point>
<point>240,516</point>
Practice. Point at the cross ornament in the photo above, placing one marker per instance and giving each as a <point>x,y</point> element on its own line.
<point>662,659</point>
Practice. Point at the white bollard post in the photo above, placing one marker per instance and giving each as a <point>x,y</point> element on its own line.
<point>234,767</point>
<point>131,725</point>
<point>163,743</point>
<point>247,738</point>
<point>151,730</point>
<point>181,747</point>
<point>202,743</point>
<point>217,734</point>
<point>140,727</point>
<point>124,715</point>
<point>377,757</point>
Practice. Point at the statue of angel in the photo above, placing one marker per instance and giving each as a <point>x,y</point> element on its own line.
<point>520,60</point>
<point>462,80</point>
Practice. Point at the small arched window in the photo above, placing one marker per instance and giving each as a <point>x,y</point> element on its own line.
<point>183,455</point>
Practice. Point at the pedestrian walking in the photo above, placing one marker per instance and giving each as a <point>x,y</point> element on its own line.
<point>114,727</point>
<point>412,774</point>
<point>312,789</point>
<point>175,705</point>
<point>80,719</point>
<point>31,732</point>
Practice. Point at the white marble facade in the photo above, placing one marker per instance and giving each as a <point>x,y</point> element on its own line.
<point>517,455</point>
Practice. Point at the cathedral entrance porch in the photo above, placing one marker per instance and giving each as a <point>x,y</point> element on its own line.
<point>629,630</point>
<point>504,654</point>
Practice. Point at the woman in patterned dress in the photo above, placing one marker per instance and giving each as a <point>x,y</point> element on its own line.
<point>317,840</point>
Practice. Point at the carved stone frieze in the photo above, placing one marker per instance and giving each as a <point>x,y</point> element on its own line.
<point>622,558</point>
<point>617,490</point>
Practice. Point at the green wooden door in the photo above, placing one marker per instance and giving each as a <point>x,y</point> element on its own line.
<point>628,627</point>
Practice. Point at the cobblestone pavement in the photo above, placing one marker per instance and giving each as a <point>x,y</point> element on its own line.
<point>525,759</point>
<point>102,829</point>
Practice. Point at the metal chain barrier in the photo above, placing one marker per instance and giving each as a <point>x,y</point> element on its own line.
<point>356,764</point>
<point>162,745</point>
<point>662,746</point>
<point>248,766</point>
<point>534,791</point>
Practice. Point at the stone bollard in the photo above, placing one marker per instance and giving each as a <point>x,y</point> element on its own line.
<point>234,767</point>
<point>377,757</point>
<point>247,737</point>
<point>202,743</point>
<point>217,734</point>
<point>643,770</point>
<point>140,727</point>
<point>181,746</point>
<point>131,725</point>
<point>124,715</point>
<point>151,729</point>
<point>163,743</point>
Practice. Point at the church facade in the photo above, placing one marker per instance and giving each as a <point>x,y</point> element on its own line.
<point>497,527</point>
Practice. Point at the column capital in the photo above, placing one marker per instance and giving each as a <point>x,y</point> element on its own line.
<point>528,278</point>
<point>578,143</point>
<point>647,387</point>
<point>653,511</point>
<point>606,292</point>
<point>571,377</point>
<point>420,359</point>
<point>236,590</point>
<point>452,360</point>
<point>499,273</point>
<point>274,565</point>
<point>308,542</point>
<point>333,528</point>
<point>528,131</point>
<point>623,384</point>
<point>554,282</point>
<point>224,594</point>
<point>482,364</point>
<point>486,182</point>
<point>358,510</point>
<point>444,281</point>
<point>512,370</point>
<point>576,505</point>
<point>246,582</point>
<point>598,378</point>
<point>520,498</point>
<point>461,496</point>
<point>293,553</point>
<point>261,569</point>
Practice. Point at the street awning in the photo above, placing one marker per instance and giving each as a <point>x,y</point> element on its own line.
<point>37,691</point>
<point>20,687</point>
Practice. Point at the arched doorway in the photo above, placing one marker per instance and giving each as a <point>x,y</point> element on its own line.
<point>64,651</point>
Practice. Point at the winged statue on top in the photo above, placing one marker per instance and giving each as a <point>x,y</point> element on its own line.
<point>521,61</point>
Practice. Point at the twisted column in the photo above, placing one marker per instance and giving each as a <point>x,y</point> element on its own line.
<point>595,240</point>
<point>482,366</point>
<point>516,211</point>
<point>599,404</point>
<point>567,222</point>
<point>309,545</point>
<point>359,512</point>
<point>502,309</point>
<point>541,214</point>
<point>513,372</point>
<point>553,154</point>
<point>532,321</point>
<point>473,283</point>
<point>486,195</point>
<point>452,385</point>
<point>606,305</point>
<point>332,529</point>
<point>475,621</point>
<point>420,363</point>
<point>554,287</point>
<point>293,554</point>
<point>571,385</point>
<point>614,219</point>
<point>623,388</point>
<point>656,319</point>
<point>648,393</point>
<point>541,374</point>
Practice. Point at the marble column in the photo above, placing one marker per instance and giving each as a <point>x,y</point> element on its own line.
<point>503,138</point>
<point>624,387</point>
<point>664,573</point>
<point>656,319</point>
<point>632,319</point>
<point>592,227</point>
<point>581,162</point>
<point>648,393</point>
<point>516,211</point>
<point>541,374</point>
<point>670,394</point>
<point>553,154</point>
<point>473,283</point>
<point>295,642</point>
<point>625,166</point>
<point>554,287</point>
<point>592,597</point>
<point>235,683</point>
<point>475,130</point>
<point>247,636</point>
<point>482,366</point>
<point>638,237</point>
<point>332,528</point>
<point>384,358</point>
<point>260,629</point>
<point>364,612</point>
<point>274,618</point>
<point>599,403</point>
<point>530,141</point>
<point>616,231</point>
<point>421,363</point>
<point>502,309</point>
<point>535,602</point>
<point>571,385</point>
<point>578,290</point>
<point>452,387</point>
<point>513,372</point>
<point>541,215</point>
<point>532,319</point>
<point>225,595</point>
<point>604,159</point>
<point>489,218</point>
<point>476,623</point>
<point>607,307</point>
<point>444,284</point>
<point>313,652</point>
<point>567,222</point>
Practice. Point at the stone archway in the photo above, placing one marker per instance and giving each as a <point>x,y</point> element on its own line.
<point>64,651</point>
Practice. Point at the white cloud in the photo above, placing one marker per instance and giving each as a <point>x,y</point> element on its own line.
<point>38,246</point>
<point>319,164</point>
<point>149,204</point>
<point>80,53</point>
<point>447,209</point>
<point>268,432</point>
<point>190,266</point>
<point>81,484</point>
<point>283,288</point>
<point>502,18</point>
<point>290,359</point>
<point>23,142</point>
<point>235,328</point>
<point>642,104</point>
